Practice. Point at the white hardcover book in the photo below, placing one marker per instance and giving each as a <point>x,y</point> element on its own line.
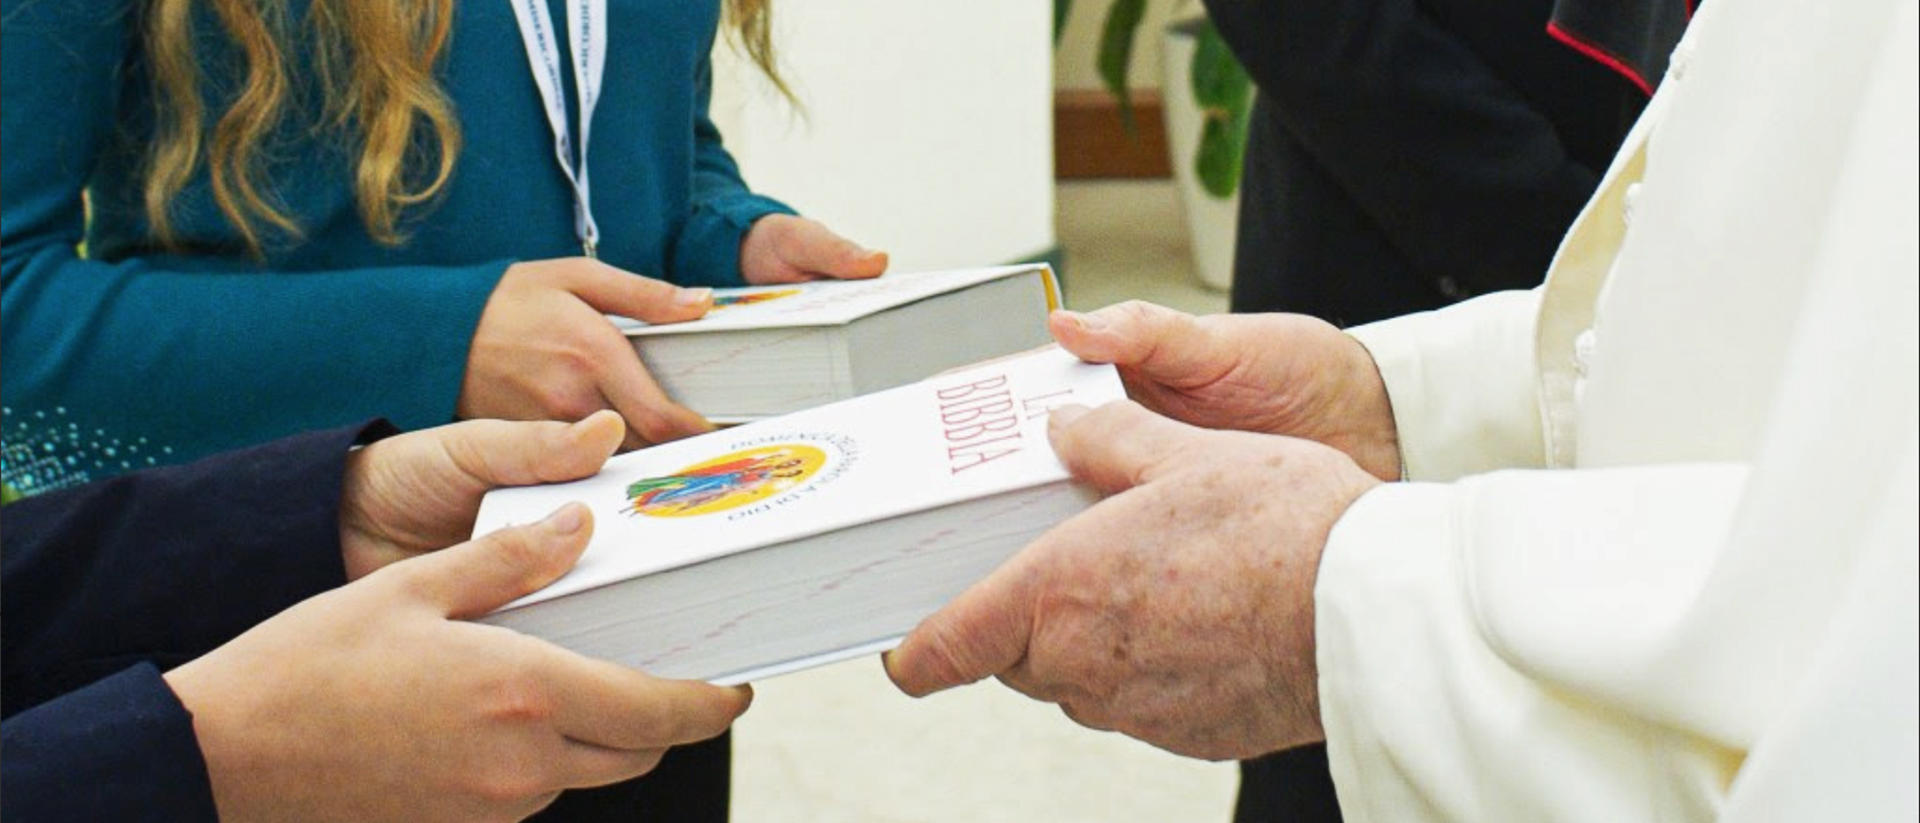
<point>769,350</point>
<point>811,537</point>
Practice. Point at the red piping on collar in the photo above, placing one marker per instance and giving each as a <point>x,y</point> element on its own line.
<point>1600,55</point>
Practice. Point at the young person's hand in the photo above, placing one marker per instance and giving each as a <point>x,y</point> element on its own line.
<point>781,248</point>
<point>375,702</point>
<point>417,492</point>
<point>1179,610</point>
<point>1284,374</point>
<point>544,350</point>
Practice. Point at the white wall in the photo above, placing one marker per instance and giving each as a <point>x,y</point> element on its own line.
<point>928,126</point>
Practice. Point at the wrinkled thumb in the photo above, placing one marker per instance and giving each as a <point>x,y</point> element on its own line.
<point>1162,344</point>
<point>1119,445</point>
<point>981,633</point>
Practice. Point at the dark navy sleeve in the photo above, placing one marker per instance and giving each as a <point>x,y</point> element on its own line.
<point>108,584</point>
<point>122,749</point>
<point>163,566</point>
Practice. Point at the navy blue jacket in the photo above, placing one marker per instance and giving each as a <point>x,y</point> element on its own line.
<point>1405,154</point>
<point>107,585</point>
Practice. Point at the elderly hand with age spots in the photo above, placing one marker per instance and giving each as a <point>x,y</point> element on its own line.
<point>1273,373</point>
<point>1179,610</point>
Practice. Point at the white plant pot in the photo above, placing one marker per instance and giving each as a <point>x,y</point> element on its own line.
<point>1210,220</point>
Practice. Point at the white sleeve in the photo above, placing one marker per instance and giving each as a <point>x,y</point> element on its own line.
<point>1624,644</point>
<point>1433,714</point>
<point>1462,382</point>
<point>1669,641</point>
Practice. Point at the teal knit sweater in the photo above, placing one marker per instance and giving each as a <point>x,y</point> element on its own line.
<point>130,356</point>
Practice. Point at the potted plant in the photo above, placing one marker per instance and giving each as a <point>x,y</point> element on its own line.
<point>1208,97</point>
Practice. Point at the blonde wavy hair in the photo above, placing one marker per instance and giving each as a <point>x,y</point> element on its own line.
<point>375,61</point>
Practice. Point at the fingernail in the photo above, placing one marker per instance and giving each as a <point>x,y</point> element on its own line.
<point>692,297</point>
<point>1065,416</point>
<point>576,431</point>
<point>1086,322</point>
<point>567,519</point>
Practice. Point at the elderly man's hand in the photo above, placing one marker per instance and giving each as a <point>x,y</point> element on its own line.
<point>416,492</point>
<point>1274,373</point>
<point>1180,609</point>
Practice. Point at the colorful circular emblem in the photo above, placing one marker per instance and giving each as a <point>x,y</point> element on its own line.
<point>726,482</point>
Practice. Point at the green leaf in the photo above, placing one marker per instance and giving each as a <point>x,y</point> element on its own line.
<point>1222,151</point>
<point>7,494</point>
<point>1061,8</point>
<point>1218,168</point>
<point>1224,93</point>
<point>1115,60</point>
<point>1218,79</point>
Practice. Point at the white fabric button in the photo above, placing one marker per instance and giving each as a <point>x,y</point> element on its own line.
<point>1677,64</point>
<point>1583,352</point>
<point>1628,201</point>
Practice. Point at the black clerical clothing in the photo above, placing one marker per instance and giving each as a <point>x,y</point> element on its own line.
<point>1405,154</point>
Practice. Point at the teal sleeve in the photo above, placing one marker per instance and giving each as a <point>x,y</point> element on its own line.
<point>185,356</point>
<point>707,252</point>
<point>203,362</point>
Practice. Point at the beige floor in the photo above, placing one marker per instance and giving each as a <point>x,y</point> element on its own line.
<point>1127,240</point>
<point>840,744</point>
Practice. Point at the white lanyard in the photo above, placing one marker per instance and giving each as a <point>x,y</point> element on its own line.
<point>587,34</point>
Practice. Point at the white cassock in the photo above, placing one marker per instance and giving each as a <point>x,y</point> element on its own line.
<point>1658,561</point>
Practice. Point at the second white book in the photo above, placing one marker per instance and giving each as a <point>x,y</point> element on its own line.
<point>770,350</point>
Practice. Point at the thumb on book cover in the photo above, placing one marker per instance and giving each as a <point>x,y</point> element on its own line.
<point>488,572</point>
